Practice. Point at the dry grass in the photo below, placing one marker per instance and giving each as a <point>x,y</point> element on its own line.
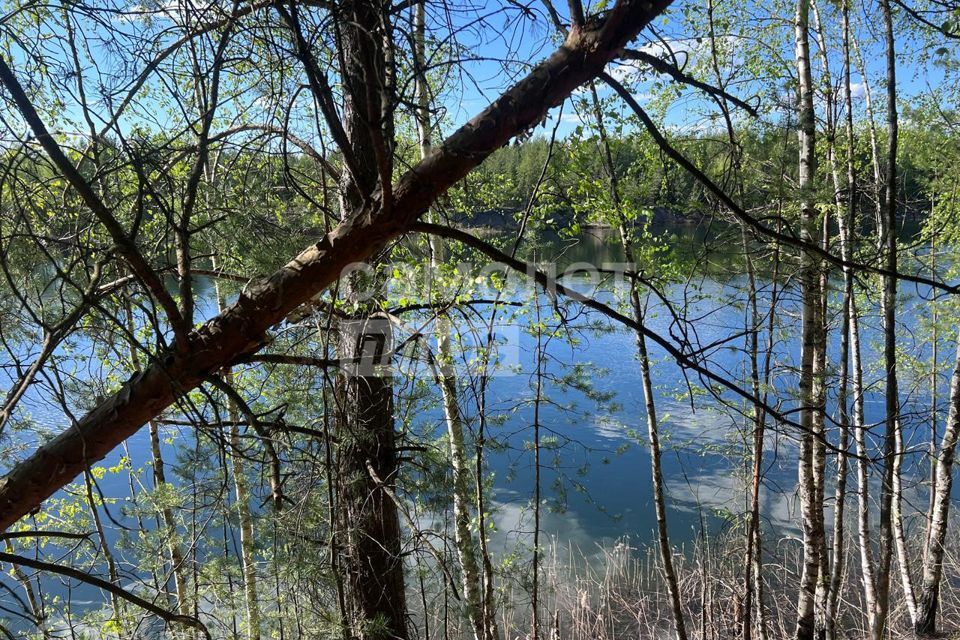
<point>617,592</point>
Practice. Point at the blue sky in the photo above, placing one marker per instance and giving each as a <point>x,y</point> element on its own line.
<point>523,43</point>
<point>500,44</point>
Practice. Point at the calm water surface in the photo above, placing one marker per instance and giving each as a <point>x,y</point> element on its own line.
<point>595,472</point>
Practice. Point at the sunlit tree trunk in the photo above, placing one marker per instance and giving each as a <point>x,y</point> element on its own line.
<point>832,564</point>
<point>864,537</point>
<point>653,437</point>
<point>899,536</point>
<point>846,220</point>
<point>810,471</point>
<point>929,600</point>
<point>934,399</point>
<point>482,619</point>
<point>838,546</point>
<point>248,565</point>
<point>864,526</point>
<point>656,472</point>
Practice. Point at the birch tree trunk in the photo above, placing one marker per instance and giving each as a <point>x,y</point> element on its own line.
<point>846,220</point>
<point>248,566</point>
<point>928,603</point>
<point>653,437</point>
<point>482,619</point>
<point>934,400</point>
<point>832,564</point>
<point>656,472</point>
<point>810,475</point>
<point>864,538</point>
<point>899,536</point>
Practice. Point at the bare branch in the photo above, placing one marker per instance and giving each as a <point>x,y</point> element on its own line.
<point>745,217</point>
<point>109,587</point>
<point>663,67</point>
<point>125,245</point>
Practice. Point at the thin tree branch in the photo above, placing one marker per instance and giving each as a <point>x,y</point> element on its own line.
<point>916,15</point>
<point>550,284</point>
<point>745,217</point>
<point>82,576</point>
<point>663,67</point>
<point>125,245</point>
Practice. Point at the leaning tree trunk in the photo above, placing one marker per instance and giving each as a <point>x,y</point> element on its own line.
<point>656,472</point>
<point>928,602</point>
<point>241,329</point>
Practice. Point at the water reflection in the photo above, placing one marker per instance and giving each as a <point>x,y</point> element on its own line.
<point>596,473</point>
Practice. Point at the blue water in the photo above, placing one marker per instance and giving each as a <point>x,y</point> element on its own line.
<point>595,466</point>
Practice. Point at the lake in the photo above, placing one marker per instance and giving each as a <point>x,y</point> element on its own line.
<point>596,469</point>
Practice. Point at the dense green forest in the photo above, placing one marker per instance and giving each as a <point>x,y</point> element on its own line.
<point>374,320</point>
<point>657,183</point>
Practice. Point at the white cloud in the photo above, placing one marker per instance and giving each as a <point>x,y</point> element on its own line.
<point>724,491</point>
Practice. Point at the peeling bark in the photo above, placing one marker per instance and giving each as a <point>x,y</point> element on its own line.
<point>811,452</point>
